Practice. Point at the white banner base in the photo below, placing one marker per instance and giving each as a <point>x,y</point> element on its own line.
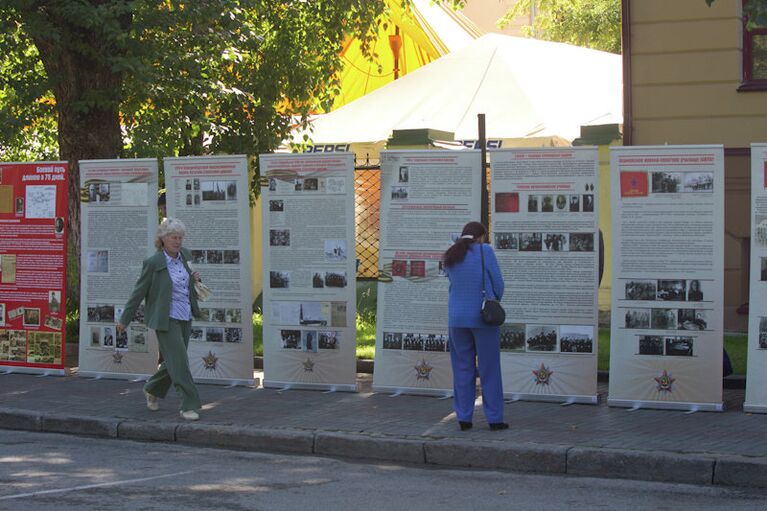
<point>413,391</point>
<point>667,405</point>
<point>565,399</point>
<point>291,385</point>
<point>754,408</point>
<point>230,382</point>
<point>113,376</point>
<point>35,370</point>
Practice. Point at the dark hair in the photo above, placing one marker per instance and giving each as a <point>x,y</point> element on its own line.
<point>457,252</point>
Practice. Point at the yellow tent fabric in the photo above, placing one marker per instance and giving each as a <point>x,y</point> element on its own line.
<point>423,34</point>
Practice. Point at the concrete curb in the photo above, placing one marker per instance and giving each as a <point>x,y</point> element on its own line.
<point>252,439</point>
<point>549,459</point>
<point>643,465</point>
<point>369,447</point>
<point>700,469</point>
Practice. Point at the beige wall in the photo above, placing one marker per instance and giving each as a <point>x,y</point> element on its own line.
<point>685,72</point>
<point>485,14</point>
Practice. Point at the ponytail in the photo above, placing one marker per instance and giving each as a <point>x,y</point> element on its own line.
<point>472,232</point>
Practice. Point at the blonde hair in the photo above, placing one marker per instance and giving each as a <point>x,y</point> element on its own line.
<point>167,227</point>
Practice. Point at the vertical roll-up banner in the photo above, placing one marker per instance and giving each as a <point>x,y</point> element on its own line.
<point>310,339</point>
<point>756,391</point>
<point>33,262</point>
<point>545,214</point>
<point>210,195</point>
<point>667,304</point>
<point>427,197</point>
<point>118,210</point>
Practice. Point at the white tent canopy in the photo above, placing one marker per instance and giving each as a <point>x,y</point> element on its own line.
<point>526,88</point>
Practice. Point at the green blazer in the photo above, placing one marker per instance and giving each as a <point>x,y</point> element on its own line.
<point>154,286</point>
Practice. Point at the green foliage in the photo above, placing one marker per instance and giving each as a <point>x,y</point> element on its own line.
<point>208,76</point>
<point>590,23</point>
<point>755,11</point>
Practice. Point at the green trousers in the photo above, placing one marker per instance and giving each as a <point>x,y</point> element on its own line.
<point>175,367</point>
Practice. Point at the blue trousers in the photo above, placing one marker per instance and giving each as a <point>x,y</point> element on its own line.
<point>472,348</point>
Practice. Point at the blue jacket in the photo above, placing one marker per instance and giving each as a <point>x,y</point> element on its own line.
<point>465,296</point>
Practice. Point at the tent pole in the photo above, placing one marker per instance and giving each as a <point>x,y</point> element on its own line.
<point>483,148</point>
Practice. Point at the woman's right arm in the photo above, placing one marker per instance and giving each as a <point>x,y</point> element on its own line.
<point>138,294</point>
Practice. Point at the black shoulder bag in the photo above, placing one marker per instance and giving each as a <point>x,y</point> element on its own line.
<point>491,312</point>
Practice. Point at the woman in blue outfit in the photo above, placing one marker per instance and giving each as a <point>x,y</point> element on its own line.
<point>473,344</point>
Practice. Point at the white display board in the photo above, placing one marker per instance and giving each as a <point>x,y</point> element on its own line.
<point>667,301</point>
<point>545,215</point>
<point>756,390</point>
<point>309,304</point>
<point>427,197</point>
<point>118,204</point>
<point>210,195</point>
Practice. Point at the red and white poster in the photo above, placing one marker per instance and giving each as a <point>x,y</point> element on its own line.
<point>33,249</point>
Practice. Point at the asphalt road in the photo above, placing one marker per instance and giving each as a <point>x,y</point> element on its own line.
<point>40,472</point>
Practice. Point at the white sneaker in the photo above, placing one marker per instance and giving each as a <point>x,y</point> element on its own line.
<point>152,401</point>
<point>189,415</point>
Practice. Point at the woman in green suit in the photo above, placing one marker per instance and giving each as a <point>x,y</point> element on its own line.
<point>167,285</point>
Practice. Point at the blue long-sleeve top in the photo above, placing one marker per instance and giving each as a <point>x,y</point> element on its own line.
<point>465,295</point>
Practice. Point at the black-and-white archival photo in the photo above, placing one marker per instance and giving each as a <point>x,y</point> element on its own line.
<point>291,339</point>
<point>392,341</point>
<point>699,182</point>
<point>279,237</point>
<point>678,346</point>
<point>694,291</point>
<point>641,289</point>
<point>666,182</point>
<point>576,339</point>
<point>506,241</point>
<point>399,192</point>
<point>541,338</point>
<point>763,333</point>
<point>279,279</point>
<point>664,319</point>
<point>691,319</point>
<point>582,242</point>
<point>530,242</point>
<point>555,242</point>
<point>335,250</point>
<point>637,318</point>
<point>672,290</point>
<point>513,337</point>
<point>650,345</point>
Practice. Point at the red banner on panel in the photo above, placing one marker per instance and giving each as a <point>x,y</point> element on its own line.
<point>33,249</point>
<point>634,184</point>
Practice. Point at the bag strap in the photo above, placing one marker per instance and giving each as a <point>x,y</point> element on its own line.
<point>482,259</point>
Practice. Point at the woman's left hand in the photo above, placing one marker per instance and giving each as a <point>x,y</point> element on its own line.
<point>196,276</point>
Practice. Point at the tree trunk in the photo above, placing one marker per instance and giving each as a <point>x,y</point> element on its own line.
<point>87,94</point>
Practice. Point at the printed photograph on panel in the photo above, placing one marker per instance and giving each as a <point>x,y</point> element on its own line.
<point>664,319</point>
<point>512,337</point>
<point>561,203</point>
<point>218,190</point>
<point>338,314</point>
<point>679,346</point>
<point>576,339</point>
<point>650,345</point>
<point>575,203</point>
<point>692,319</point>
<point>197,334</point>
<point>547,204</point>
<point>555,242</point>
<point>231,257</point>
<point>582,242</point>
<point>309,340</point>
<point>532,203</point>
<point>279,237</point>
<point>433,342</point>
<point>399,192</point>
<point>541,338</point>
<point>412,342</point>
<point>588,203</point>
<point>121,340</point>
<point>335,250</point>
<point>108,338</point>
<point>637,318</point>
<point>666,182</point>
<point>699,182</point>
<point>329,339</point>
<point>2,314</point>
<point>233,335</point>
<point>17,345</point>
<point>44,348</point>
<point>279,279</point>
<point>98,261</point>
<point>641,289</point>
<point>54,301</point>
<point>137,340</point>
<point>214,334</point>
<point>694,291</point>
<point>404,174</point>
<point>392,341</point>
<point>335,279</point>
<point>214,256</point>
<point>530,242</point>
<point>101,313</point>
<point>95,337</point>
<point>672,290</point>
<point>506,241</point>
<point>762,333</point>
<point>507,202</point>
<point>31,317</point>
<point>276,206</point>
<point>291,339</point>
<point>318,279</point>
